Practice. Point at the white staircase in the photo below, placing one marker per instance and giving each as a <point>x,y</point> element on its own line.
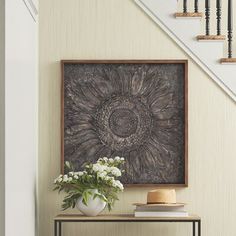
<point>184,31</point>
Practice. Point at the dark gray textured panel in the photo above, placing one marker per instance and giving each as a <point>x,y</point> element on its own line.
<point>130,110</point>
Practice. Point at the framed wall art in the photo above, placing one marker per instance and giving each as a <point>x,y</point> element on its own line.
<point>136,109</point>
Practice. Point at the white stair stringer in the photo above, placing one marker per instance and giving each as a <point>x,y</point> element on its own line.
<point>184,31</point>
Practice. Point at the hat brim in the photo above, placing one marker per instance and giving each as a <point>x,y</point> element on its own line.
<point>159,204</point>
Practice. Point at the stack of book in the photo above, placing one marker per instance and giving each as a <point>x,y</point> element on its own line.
<point>160,210</point>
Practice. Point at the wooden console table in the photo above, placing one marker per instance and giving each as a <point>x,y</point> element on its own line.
<point>63,218</point>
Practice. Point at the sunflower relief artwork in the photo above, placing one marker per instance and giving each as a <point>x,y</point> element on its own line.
<point>136,110</point>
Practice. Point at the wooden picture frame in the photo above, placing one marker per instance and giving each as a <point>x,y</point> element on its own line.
<point>183,63</point>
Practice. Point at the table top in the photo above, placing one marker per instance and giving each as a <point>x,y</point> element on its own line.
<point>121,218</point>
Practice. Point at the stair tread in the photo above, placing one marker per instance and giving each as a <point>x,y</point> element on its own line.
<point>211,37</point>
<point>188,14</point>
<point>227,60</point>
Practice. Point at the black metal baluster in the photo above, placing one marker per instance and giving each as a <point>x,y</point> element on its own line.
<point>196,6</point>
<point>185,6</point>
<point>230,28</point>
<point>218,16</point>
<point>207,14</point>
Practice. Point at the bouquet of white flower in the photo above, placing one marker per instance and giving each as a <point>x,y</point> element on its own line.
<point>101,176</point>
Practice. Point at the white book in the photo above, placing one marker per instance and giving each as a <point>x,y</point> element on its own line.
<point>160,208</point>
<point>160,213</point>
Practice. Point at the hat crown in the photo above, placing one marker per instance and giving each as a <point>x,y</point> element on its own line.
<point>161,196</point>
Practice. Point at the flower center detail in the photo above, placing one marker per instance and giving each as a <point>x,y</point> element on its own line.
<point>123,123</point>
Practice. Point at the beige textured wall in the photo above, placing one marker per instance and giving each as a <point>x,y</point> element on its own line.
<point>2,116</point>
<point>118,29</point>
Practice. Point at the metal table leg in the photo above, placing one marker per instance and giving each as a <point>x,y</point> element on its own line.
<point>60,223</point>
<point>55,228</point>
<point>194,229</point>
<point>199,228</point>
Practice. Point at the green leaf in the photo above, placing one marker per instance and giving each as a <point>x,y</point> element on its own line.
<point>73,203</point>
<point>56,188</point>
<point>109,206</point>
<point>95,195</point>
<point>85,197</point>
<point>68,165</point>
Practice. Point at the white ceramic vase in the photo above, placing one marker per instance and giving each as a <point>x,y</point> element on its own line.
<point>94,207</point>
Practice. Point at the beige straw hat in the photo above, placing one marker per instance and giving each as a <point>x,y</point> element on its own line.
<point>161,197</point>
